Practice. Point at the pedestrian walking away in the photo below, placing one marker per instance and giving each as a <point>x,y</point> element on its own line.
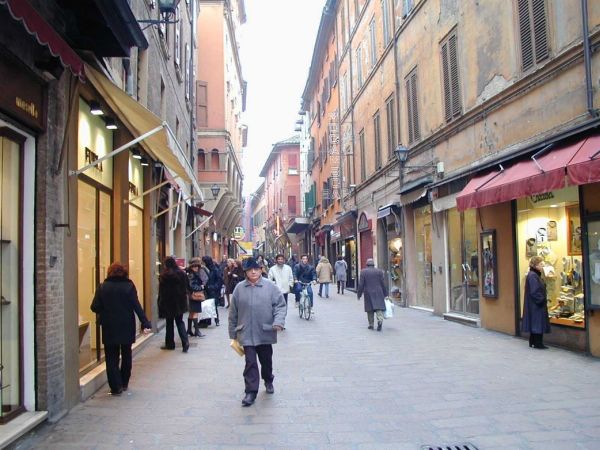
<point>214,283</point>
<point>197,279</point>
<point>232,276</point>
<point>535,305</point>
<point>304,273</point>
<point>116,302</point>
<point>173,303</point>
<point>371,283</point>
<point>257,313</point>
<point>281,274</point>
<point>324,276</point>
<point>340,269</point>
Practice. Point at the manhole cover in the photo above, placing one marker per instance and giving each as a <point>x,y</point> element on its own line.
<point>463,446</point>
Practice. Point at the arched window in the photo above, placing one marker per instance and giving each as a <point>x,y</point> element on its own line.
<point>214,160</point>
<point>201,159</point>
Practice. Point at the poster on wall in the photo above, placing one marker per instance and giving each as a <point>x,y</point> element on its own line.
<point>489,265</point>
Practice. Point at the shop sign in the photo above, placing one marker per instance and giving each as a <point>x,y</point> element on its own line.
<point>22,95</point>
<point>93,142</point>
<point>552,198</point>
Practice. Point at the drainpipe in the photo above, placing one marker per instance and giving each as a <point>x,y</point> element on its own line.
<point>587,59</point>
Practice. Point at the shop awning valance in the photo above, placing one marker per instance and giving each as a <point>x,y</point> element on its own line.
<point>387,210</point>
<point>572,164</point>
<point>584,167</point>
<point>159,140</point>
<point>37,26</point>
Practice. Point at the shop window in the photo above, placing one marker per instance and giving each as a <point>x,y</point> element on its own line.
<point>93,259</point>
<point>11,371</point>
<point>549,225</point>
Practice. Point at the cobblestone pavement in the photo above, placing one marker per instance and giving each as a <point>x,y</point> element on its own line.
<point>422,380</point>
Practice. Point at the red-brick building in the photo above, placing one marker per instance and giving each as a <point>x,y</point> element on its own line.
<point>281,172</point>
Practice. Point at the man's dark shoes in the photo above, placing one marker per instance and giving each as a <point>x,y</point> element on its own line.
<point>379,325</point>
<point>269,387</point>
<point>117,392</point>
<point>540,347</point>
<point>370,327</point>
<point>186,347</point>
<point>249,398</point>
<point>167,347</point>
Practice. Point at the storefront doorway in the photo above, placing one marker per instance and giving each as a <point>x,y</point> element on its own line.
<point>463,262</point>
<point>11,370</point>
<point>424,297</point>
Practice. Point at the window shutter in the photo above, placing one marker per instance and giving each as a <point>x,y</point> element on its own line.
<point>454,79</point>
<point>539,30</point>
<point>409,111</point>
<point>413,82</point>
<point>202,103</point>
<point>526,38</point>
<point>447,88</point>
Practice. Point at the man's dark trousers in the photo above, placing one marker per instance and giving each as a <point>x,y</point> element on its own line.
<point>265,356</point>
<point>170,332</point>
<point>118,378</point>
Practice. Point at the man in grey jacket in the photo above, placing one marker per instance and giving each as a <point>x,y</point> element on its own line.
<point>256,314</point>
<point>371,283</point>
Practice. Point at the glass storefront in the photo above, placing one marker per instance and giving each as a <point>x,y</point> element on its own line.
<point>463,262</point>
<point>10,266</point>
<point>424,295</point>
<point>136,228</point>
<point>394,261</point>
<point>94,225</point>
<point>549,225</point>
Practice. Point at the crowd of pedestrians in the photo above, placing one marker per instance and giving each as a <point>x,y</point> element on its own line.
<point>255,290</point>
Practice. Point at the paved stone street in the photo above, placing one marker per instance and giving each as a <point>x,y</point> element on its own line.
<point>421,381</point>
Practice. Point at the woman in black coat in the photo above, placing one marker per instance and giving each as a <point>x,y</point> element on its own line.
<point>116,302</point>
<point>213,286</point>
<point>535,306</point>
<point>173,303</point>
<point>197,279</point>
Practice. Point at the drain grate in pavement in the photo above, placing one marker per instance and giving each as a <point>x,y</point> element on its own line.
<point>463,446</point>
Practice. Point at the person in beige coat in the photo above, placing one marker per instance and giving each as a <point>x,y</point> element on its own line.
<point>324,276</point>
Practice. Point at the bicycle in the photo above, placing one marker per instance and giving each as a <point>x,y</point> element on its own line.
<point>304,308</point>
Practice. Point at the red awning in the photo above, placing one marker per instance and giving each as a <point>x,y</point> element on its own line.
<point>526,177</point>
<point>584,167</point>
<point>35,25</point>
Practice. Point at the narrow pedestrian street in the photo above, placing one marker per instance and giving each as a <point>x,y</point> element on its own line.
<point>421,381</point>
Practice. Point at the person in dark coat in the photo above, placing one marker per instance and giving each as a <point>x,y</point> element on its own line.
<point>535,305</point>
<point>173,303</point>
<point>257,313</point>
<point>115,302</point>
<point>213,286</point>
<point>371,283</point>
<point>196,284</point>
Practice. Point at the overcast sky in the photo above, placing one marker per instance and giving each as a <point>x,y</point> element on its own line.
<point>276,45</point>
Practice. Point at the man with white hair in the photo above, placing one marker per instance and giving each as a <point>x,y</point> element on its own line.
<point>371,282</point>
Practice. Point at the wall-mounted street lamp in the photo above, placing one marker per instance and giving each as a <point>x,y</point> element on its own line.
<point>167,9</point>
<point>401,153</point>
<point>215,189</point>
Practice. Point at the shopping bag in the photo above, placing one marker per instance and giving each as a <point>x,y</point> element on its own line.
<point>209,310</point>
<point>235,345</point>
<point>389,309</point>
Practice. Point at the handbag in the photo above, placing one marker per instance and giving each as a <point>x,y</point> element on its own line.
<point>198,296</point>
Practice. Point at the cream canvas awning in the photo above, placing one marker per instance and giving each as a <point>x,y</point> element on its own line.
<point>154,135</point>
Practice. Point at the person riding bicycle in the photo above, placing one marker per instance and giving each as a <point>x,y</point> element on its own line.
<point>304,273</point>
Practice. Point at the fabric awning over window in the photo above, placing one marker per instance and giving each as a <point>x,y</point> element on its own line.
<point>584,168</point>
<point>572,164</point>
<point>161,145</point>
<point>299,225</point>
<point>37,26</point>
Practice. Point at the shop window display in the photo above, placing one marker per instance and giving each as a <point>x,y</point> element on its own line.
<point>394,245</point>
<point>549,225</point>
